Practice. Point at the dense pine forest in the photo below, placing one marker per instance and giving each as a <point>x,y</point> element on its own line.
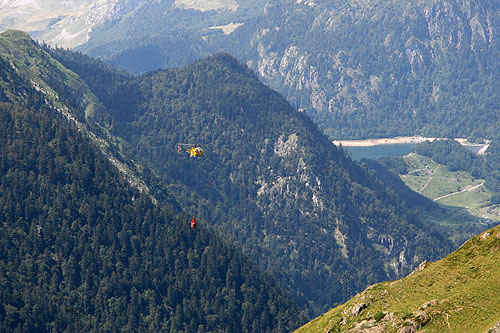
<point>270,180</point>
<point>96,199</point>
<point>104,199</point>
<point>82,250</point>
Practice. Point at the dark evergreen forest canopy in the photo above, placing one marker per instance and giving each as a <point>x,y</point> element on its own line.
<point>270,181</point>
<point>270,184</point>
<point>81,250</point>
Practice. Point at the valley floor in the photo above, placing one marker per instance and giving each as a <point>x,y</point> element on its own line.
<point>453,189</point>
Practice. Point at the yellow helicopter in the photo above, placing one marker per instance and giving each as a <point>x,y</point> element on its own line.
<point>193,150</point>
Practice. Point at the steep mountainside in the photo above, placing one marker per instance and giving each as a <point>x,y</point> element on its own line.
<point>63,88</point>
<point>24,62</point>
<point>172,33</point>
<point>81,250</point>
<point>269,181</point>
<point>458,294</point>
<point>360,69</point>
<point>63,23</point>
<point>386,68</point>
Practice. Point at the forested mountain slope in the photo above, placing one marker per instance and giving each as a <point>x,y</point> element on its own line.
<point>458,293</point>
<point>82,250</point>
<point>360,69</point>
<point>269,181</point>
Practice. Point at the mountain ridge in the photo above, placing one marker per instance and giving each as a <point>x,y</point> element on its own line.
<point>285,179</point>
<point>378,70</point>
<point>83,250</point>
<point>270,182</point>
<point>360,70</point>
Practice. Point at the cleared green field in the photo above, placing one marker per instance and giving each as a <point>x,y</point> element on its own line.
<point>455,189</point>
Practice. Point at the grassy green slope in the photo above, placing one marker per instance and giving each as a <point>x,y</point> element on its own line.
<point>63,89</point>
<point>457,294</point>
<point>456,189</point>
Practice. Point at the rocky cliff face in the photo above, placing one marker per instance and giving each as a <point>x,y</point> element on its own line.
<point>345,60</point>
<point>296,186</point>
<point>445,25</point>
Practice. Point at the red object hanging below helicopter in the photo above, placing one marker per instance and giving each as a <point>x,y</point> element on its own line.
<point>193,223</point>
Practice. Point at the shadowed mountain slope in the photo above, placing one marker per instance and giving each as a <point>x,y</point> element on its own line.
<point>359,69</point>
<point>269,181</point>
<point>83,250</point>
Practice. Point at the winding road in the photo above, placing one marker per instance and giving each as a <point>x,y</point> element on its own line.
<point>465,190</point>
<point>429,180</point>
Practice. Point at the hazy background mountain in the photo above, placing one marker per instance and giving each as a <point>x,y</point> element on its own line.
<point>363,69</point>
<point>63,23</point>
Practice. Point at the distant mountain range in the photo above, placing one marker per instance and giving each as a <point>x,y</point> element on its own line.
<point>270,183</point>
<point>362,69</point>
